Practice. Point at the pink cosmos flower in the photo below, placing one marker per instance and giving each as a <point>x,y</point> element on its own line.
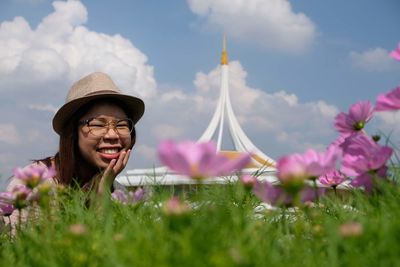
<point>78,229</point>
<point>362,155</point>
<point>120,196</point>
<point>333,178</point>
<point>138,195</point>
<point>6,197</point>
<point>248,180</point>
<point>341,141</point>
<point>354,121</point>
<point>389,101</point>
<point>6,207</point>
<point>309,194</point>
<point>199,160</point>
<point>33,175</point>
<point>296,168</point>
<point>396,53</point>
<point>363,158</point>
<point>366,179</point>
<point>277,196</point>
<point>271,194</point>
<point>20,196</point>
<point>175,207</point>
<point>338,141</point>
<point>130,198</point>
<point>351,229</point>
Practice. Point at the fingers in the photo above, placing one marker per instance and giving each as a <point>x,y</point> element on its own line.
<point>108,177</point>
<point>128,153</point>
<point>110,167</point>
<point>109,174</point>
<point>122,161</point>
<point>113,169</point>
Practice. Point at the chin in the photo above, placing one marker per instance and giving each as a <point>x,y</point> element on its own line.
<point>102,164</point>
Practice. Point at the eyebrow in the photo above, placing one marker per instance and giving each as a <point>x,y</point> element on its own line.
<point>106,117</point>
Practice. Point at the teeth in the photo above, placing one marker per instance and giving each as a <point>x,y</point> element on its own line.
<point>109,150</point>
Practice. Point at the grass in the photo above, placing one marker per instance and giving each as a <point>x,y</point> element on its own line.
<point>221,229</point>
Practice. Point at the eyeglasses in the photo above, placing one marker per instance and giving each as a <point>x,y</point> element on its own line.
<point>99,126</point>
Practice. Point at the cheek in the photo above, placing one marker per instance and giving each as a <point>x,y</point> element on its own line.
<point>127,143</point>
<point>86,146</point>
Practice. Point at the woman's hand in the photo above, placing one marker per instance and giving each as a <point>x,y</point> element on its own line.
<point>113,169</point>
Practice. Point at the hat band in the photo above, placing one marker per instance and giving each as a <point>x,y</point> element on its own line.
<point>103,92</point>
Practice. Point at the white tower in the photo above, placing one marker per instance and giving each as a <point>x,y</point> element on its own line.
<point>261,164</point>
<point>224,112</point>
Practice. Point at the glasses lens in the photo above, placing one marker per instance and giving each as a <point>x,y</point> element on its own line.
<point>124,127</point>
<point>99,127</point>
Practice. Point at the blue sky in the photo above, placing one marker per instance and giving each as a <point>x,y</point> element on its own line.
<point>295,65</point>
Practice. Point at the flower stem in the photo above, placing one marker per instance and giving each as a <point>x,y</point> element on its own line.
<point>10,233</point>
<point>316,191</point>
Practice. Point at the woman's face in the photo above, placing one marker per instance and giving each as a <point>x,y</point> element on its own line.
<point>100,150</point>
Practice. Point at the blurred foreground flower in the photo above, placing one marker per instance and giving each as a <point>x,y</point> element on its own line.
<point>34,174</point>
<point>175,207</point>
<point>389,101</point>
<point>396,53</point>
<point>365,160</point>
<point>77,229</point>
<point>248,180</point>
<point>278,196</point>
<point>20,196</point>
<point>354,121</point>
<point>352,229</point>
<point>130,198</point>
<point>333,178</point>
<point>43,193</point>
<point>294,169</point>
<point>6,206</point>
<point>199,160</point>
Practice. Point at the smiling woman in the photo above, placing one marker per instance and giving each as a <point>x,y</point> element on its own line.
<point>96,126</point>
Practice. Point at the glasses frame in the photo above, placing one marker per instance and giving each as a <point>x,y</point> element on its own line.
<point>108,125</point>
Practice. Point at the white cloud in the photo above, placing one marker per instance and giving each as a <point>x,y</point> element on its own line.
<point>329,111</point>
<point>9,134</point>
<point>268,115</point>
<point>166,131</point>
<point>32,2</point>
<point>38,65</point>
<point>46,107</point>
<point>373,60</point>
<point>387,124</point>
<point>291,138</point>
<point>290,99</point>
<point>62,49</point>
<point>32,135</point>
<point>170,96</point>
<point>389,117</point>
<point>276,122</point>
<point>270,24</point>
<point>145,151</point>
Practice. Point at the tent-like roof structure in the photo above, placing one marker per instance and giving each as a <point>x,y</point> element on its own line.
<point>261,164</point>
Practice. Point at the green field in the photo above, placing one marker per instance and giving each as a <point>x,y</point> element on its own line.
<point>218,226</point>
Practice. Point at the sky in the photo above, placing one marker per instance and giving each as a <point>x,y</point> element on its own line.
<point>294,65</point>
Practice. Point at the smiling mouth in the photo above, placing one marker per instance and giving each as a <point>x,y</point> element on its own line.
<point>109,150</point>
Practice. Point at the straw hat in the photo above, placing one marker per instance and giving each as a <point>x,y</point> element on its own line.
<point>95,86</point>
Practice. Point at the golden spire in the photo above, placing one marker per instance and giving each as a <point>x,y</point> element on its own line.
<point>224,56</point>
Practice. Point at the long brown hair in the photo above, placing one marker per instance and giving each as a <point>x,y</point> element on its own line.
<point>68,158</point>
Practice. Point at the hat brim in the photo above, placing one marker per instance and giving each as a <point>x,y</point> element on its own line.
<point>132,105</point>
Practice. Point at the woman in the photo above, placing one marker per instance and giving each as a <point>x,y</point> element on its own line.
<point>96,126</point>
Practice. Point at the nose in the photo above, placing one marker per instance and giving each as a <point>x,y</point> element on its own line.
<point>111,133</point>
